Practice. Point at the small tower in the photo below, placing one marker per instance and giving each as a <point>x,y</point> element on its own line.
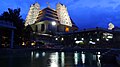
<point>32,14</point>
<point>111,26</point>
<point>48,4</point>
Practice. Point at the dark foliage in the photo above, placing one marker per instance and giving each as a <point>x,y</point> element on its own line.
<point>13,15</point>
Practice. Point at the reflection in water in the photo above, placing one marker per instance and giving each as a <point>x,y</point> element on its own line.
<point>76,58</point>
<point>94,57</point>
<point>83,57</point>
<point>62,59</point>
<point>32,54</point>
<point>43,54</point>
<point>37,55</point>
<point>51,59</point>
<point>54,59</point>
<point>99,53</point>
<point>98,56</point>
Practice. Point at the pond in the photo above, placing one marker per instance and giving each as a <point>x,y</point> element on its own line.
<point>49,59</point>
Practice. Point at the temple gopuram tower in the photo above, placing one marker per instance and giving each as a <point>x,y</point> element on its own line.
<point>32,14</point>
<point>50,21</point>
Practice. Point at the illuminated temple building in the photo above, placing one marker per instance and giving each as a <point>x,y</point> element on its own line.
<point>48,20</point>
<point>51,26</point>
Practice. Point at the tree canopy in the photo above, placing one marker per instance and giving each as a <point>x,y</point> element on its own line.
<point>13,15</point>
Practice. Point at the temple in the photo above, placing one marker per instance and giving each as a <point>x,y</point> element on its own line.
<point>50,21</point>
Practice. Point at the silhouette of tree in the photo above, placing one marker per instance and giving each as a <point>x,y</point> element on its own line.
<point>13,15</point>
<point>27,32</point>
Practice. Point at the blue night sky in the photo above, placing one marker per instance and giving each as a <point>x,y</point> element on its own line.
<point>85,13</point>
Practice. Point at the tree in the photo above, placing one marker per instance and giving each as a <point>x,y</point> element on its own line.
<point>13,15</point>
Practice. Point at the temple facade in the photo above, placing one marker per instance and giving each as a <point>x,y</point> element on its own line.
<point>49,21</point>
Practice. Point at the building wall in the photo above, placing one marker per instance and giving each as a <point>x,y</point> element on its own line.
<point>89,39</point>
<point>48,27</point>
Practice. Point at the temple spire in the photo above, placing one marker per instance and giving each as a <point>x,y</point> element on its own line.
<point>48,4</point>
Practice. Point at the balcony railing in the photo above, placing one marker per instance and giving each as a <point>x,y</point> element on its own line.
<point>6,24</point>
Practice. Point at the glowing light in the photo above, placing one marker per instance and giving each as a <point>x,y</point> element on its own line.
<point>98,57</point>
<point>67,29</point>
<point>98,52</point>
<point>107,35</point>
<point>75,38</point>
<point>91,42</point>
<point>54,59</point>
<point>53,23</point>
<point>107,39</point>
<point>76,58</point>
<point>62,59</point>
<point>83,58</point>
<point>82,38</point>
<point>56,38</point>
<point>77,42</point>
<point>32,53</point>
<point>111,26</point>
<point>98,39</point>
<point>110,37</point>
<point>37,55</point>
<point>43,54</point>
<point>32,44</point>
<point>62,39</point>
<point>23,43</point>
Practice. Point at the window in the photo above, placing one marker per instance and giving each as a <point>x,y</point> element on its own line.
<point>42,27</point>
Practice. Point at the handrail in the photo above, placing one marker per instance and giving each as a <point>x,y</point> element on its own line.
<point>6,23</point>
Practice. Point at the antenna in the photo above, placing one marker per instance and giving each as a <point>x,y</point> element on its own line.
<point>48,4</point>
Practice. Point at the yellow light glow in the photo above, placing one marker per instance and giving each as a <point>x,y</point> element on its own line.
<point>23,43</point>
<point>33,44</point>
<point>67,29</point>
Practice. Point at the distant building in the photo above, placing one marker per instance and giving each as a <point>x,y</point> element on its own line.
<point>95,37</point>
<point>6,34</point>
<point>50,21</point>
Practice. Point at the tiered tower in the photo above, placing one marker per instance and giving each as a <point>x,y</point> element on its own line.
<point>50,21</point>
<point>63,15</point>
<point>32,14</point>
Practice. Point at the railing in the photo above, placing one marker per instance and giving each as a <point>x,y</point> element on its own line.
<point>6,24</point>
